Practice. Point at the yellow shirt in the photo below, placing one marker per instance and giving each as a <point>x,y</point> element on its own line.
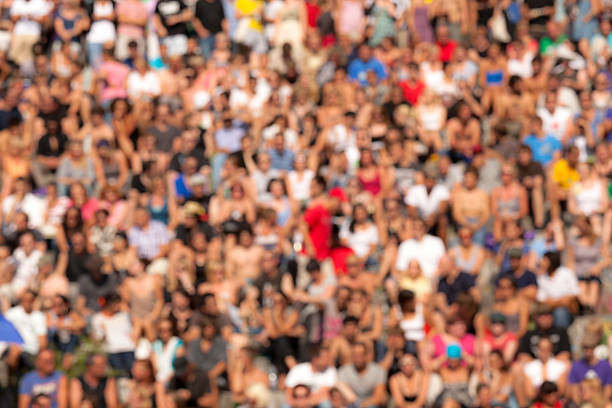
<point>421,286</point>
<point>564,175</point>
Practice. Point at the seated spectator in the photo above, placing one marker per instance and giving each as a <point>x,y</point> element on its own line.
<point>558,288</point>
<point>113,327</point>
<point>319,375</point>
<point>94,383</point>
<point>583,370</point>
<point>45,380</point>
<point>545,368</point>
<point>366,379</point>
<point>410,385</point>
<point>31,326</point>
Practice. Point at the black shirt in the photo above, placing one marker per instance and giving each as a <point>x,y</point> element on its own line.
<point>176,163</point>
<point>52,145</point>
<point>169,8</point>
<point>462,284</point>
<point>539,4</point>
<point>528,344</point>
<point>184,234</point>
<point>210,14</point>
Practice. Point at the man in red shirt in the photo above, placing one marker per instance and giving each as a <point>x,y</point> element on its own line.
<point>316,225</point>
<point>444,43</point>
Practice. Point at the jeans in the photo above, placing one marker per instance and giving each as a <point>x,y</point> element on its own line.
<point>94,54</point>
<point>122,361</point>
<point>207,45</point>
<point>217,164</point>
<point>563,317</point>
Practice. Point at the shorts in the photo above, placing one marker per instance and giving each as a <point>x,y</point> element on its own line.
<point>176,45</point>
<point>590,278</point>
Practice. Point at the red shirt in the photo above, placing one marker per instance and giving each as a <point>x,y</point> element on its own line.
<point>412,92</point>
<point>312,14</point>
<point>319,229</point>
<point>338,256</point>
<point>446,50</point>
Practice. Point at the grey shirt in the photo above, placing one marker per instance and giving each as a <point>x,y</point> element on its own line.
<point>362,384</point>
<point>206,361</point>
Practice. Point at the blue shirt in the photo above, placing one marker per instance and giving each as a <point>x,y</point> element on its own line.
<point>181,187</point>
<point>543,148</point>
<point>358,70</point>
<point>33,384</point>
<point>282,160</point>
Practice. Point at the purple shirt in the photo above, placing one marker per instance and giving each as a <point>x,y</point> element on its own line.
<point>581,370</point>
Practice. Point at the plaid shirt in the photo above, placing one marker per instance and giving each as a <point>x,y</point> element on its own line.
<point>149,241</point>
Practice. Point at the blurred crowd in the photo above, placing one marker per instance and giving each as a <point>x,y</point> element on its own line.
<point>305,203</point>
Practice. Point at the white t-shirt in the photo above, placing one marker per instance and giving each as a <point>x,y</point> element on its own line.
<point>428,251</point>
<point>27,268</point>
<point>562,283</point>
<point>30,326</point>
<point>555,123</point>
<point>140,85</point>
<point>360,241</point>
<point>26,10</point>
<point>554,370</point>
<point>303,374</point>
<point>32,205</point>
<point>116,331</point>
<point>427,204</point>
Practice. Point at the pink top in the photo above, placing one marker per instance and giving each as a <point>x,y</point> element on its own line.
<point>116,74</point>
<point>466,344</point>
<point>133,9</point>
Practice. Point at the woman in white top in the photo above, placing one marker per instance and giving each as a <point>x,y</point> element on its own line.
<point>409,315</point>
<point>360,234</point>
<point>545,368</point>
<point>298,180</point>
<point>101,31</point>
<point>589,196</point>
<point>431,118</point>
<point>558,287</point>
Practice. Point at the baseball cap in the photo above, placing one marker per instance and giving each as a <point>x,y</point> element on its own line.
<point>453,352</point>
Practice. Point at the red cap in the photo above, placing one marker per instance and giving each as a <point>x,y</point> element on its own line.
<point>338,193</point>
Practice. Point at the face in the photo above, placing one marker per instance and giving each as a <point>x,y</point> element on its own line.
<point>98,366</point>
<point>165,330</point>
<point>45,362</point>
<point>457,329</point>
<point>414,269</point>
<point>358,355</point>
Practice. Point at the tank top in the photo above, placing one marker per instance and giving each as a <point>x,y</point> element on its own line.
<point>511,206</point>
<point>414,327</point>
<point>585,257</point>
<point>165,357</point>
<point>301,187</point>
<point>431,119</point>
<point>372,186</point>
<point>466,265</point>
<point>588,200</point>
<point>98,390</point>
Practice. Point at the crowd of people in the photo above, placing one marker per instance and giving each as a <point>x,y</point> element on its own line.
<point>306,203</point>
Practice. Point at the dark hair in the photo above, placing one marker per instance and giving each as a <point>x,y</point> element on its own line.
<point>313,265</point>
<point>279,180</point>
<point>471,170</point>
<point>554,259</point>
<point>405,296</point>
<point>353,221</point>
<point>546,388</point>
<point>350,320</point>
